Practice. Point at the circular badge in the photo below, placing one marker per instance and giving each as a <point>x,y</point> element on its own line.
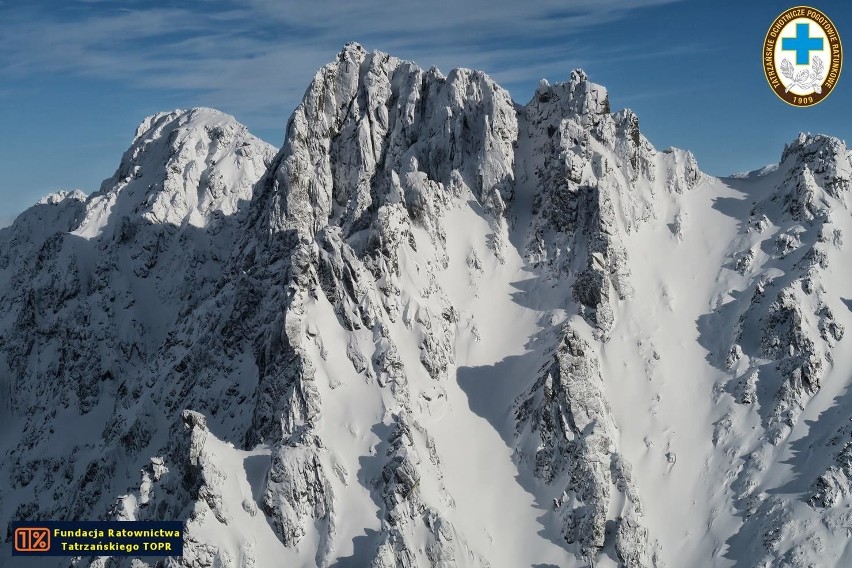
<point>802,56</point>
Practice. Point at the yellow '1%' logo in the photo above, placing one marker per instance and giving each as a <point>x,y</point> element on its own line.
<point>802,56</point>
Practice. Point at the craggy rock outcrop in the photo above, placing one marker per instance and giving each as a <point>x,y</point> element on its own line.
<point>566,431</point>
<point>598,178</point>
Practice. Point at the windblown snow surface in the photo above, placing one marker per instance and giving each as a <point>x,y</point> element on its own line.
<point>437,328</point>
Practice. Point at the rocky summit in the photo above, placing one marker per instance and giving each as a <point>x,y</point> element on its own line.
<point>437,328</point>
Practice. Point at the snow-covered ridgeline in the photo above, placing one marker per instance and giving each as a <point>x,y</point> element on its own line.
<point>301,353</point>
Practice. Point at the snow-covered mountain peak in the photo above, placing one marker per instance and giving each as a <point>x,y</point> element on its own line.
<point>352,47</point>
<point>376,132</point>
<point>182,167</point>
<point>826,157</point>
<point>577,96</point>
<point>57,211</point>
<point>759,172</point>
<point>807,145</point>
<point>59,196</point>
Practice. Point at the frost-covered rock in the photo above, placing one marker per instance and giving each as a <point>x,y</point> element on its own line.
<point>567,434</point>
<point>597,176</point>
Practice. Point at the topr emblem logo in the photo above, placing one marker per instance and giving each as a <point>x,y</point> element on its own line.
<point>802,56</point>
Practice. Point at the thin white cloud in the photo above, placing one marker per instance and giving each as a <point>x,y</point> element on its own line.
<point>257,56</point>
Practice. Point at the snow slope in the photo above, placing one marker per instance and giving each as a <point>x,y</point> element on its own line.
<point>437,328</point>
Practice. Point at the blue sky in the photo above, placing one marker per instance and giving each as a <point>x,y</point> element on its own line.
<point>77,76</point>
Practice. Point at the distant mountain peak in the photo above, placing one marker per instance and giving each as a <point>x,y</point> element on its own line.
<point>183,166</point>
